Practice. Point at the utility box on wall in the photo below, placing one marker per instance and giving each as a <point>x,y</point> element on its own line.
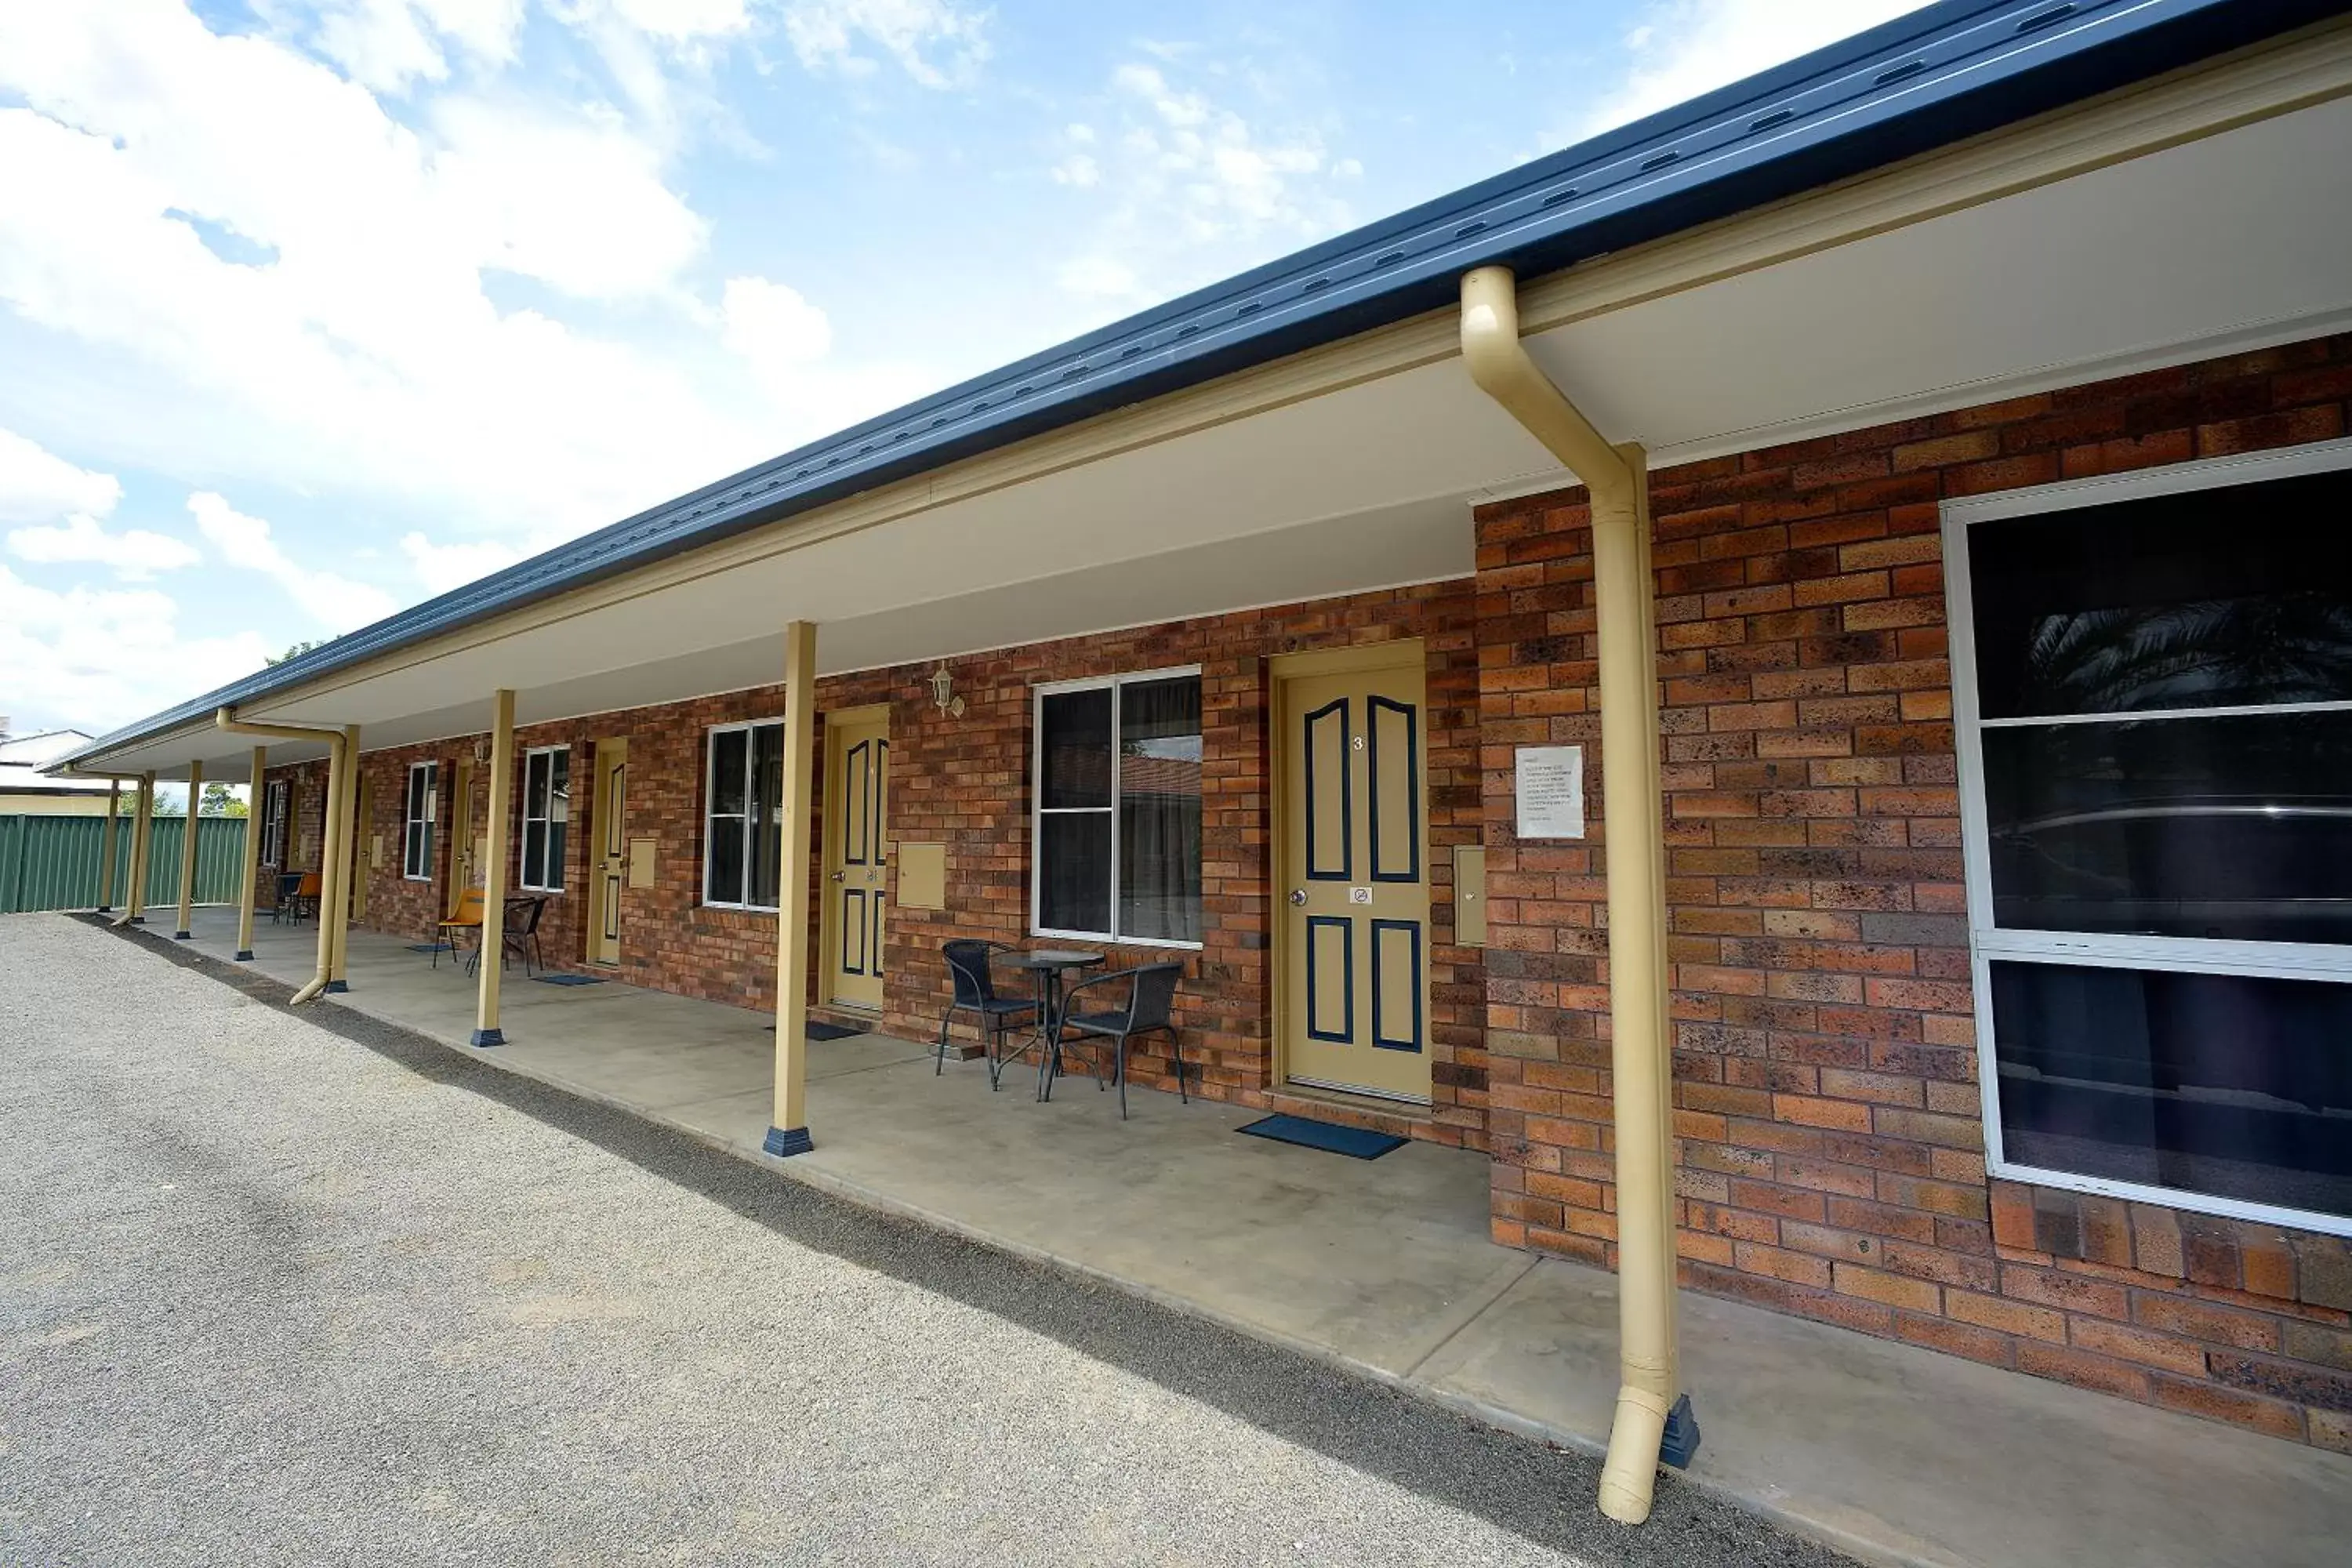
<point>1470,895</point>
<point>922,875</point>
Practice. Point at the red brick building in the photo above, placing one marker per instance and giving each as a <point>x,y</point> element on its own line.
<point>2003,638</point>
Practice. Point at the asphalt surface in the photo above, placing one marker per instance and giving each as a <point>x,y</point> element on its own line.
<point>280,1287</point>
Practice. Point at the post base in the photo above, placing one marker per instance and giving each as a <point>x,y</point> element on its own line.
<point>1680,1444</point>
<point>336,987</point>
<point>179,936</point>
<point>489,1038</point>
<point>785,1142</point>
<point>245,955</point>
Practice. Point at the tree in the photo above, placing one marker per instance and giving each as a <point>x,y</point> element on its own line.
<point>293,650</point>
<point>220,800</point>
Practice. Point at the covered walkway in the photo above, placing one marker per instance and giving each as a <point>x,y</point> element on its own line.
<point>1894,1454</point>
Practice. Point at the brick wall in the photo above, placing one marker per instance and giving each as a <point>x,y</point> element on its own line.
<point>964,781</point>
<point>1831,1146</point>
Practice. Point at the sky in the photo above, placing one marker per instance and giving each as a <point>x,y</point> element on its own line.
<point>312,309</point>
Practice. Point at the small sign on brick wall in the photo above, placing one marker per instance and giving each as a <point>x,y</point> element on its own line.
<point>1548,785</point>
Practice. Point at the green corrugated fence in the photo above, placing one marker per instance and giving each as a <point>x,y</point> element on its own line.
<point>53,862</point>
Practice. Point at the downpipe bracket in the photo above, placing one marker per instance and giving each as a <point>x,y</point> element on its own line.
<point>1679,1445</point>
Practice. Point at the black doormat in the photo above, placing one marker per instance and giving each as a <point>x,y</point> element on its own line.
<point>818,1030</point>
<point>1355,1142</point>
<point>568,979</point>
<point>432,947</point>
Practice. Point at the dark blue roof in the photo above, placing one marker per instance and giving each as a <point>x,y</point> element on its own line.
<point>1924,80</point>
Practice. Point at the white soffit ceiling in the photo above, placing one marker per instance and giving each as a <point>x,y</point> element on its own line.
<point>2238,238</point>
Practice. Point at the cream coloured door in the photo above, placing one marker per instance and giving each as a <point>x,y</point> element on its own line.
<point>1353,898</point>
<point>612,870</point>
<point>857,886</point>
<point>465,863</point>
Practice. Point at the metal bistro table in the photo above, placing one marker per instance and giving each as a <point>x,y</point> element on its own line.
<point>1048,965</point>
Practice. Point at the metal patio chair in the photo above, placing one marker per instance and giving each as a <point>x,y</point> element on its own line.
<point>968,960</point>
<point>297,894</point>
<point>1150,1004</point>
<point>520,931</point>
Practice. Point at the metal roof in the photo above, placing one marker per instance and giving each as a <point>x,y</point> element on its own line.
<point>1933,77</point>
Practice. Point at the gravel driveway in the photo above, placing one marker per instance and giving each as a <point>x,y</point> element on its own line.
<point>302,1289</point>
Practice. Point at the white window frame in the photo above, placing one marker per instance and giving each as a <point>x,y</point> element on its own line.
<point>274,797</point>
<point>410,824</point>
<point>710,793</point>
<point>2196,955</point>
<point>1039,811</point>
<point>553,864</point>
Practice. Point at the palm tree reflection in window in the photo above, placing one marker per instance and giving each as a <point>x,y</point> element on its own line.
<point>2212,652</point>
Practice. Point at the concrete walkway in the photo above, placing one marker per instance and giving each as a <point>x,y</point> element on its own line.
<point>1891,1453</point>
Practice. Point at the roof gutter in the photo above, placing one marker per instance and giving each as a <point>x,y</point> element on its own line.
<point>1653,1417</point>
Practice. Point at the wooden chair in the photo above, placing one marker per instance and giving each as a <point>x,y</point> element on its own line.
<point>468,917</point>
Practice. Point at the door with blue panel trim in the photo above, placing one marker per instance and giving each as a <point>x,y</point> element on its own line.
<point>1352,911</point>
<point>856,814</point>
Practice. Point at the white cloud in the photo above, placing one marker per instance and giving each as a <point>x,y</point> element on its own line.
<point>36,486</point>
<point>1684,48</point>
<point>1196,188</point>
<point>441,567</point>
<point>678,20</point>
<point>97,659</point>
<point>388,44</point>
<point>771,325</point>
<point>135,555</point>
<point>365,360</point>
<point>335,602</point>
<point>575,201</point>
<point>936,42</point>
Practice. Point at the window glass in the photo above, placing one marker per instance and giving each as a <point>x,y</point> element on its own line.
<point>2215,598</point>
<point>2228,829</point>
<point>559,813</point>
<point>1073,873</point>
<point>2231,1086</point>
<point>416,833</point>
<point>1159,809</point>
<point>1118,816</point>
<point>2165,783</point>
<point>546,806</point>
<point>768,813</point>
<point>1076,750</point>
<point>727,749</point>
<point>742,841</point>
<point>726,841</point>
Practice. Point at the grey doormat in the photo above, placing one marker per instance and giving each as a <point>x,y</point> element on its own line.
<point>568,979</point>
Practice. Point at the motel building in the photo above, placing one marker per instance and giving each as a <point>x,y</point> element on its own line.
<point>1779,681</point>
